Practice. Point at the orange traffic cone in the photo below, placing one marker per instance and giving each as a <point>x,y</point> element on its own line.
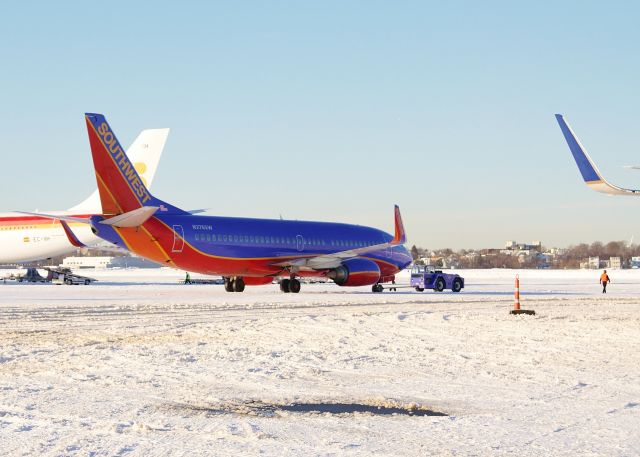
<point>516,304</point>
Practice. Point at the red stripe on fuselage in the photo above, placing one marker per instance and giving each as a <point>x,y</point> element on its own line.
<point>34,220</point>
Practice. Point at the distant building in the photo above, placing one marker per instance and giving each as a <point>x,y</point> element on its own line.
<point>556,251</point>
<point>594,263</point>
<point>615,263</point>
<point>515,246</point>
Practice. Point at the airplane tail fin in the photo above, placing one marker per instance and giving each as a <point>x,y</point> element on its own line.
<point>590,173</point>
<point>120,187</point>
<point>144,152</point>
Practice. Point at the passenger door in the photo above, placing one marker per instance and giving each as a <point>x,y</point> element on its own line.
<point>178,239</point>
<point>299,243</point>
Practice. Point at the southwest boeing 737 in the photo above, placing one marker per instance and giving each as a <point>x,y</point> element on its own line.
<point>243,251</point>
<point>25,238</point>
<point>590,173</point>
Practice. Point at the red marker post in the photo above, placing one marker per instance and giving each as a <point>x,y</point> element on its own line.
<point>516,303</point>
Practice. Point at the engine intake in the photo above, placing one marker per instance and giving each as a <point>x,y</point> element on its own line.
<point>356,272</point>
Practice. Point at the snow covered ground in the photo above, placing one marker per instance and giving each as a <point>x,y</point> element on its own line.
<point>139,365</point>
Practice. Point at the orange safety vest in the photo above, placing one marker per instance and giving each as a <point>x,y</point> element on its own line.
<point>604,277</point>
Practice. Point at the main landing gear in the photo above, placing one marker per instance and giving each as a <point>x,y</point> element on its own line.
<point>377,288</point>
<point>290,285</point>
<point>235,284</point>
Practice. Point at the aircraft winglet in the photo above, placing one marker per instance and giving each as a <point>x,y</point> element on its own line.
<point>400,235</point>
<point>590,173</point>
<point>73,239</point>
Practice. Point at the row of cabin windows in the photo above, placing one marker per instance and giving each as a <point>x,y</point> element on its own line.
<point>277,240</point>
<point>20,227</point>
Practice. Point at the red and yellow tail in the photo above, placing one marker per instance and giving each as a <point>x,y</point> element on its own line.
<point>121,188</point>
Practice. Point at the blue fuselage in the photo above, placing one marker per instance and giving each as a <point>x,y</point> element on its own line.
<point>231,246</point>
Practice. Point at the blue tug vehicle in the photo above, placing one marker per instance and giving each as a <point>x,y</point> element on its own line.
<point>427,277</point>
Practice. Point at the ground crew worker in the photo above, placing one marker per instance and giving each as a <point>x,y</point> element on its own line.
<point>604,280</point>
<point>187,279</point>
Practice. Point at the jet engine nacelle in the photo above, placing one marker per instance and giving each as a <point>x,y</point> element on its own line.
<point>356,272</point>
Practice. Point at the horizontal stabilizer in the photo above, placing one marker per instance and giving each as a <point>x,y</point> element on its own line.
<point>134,218</point>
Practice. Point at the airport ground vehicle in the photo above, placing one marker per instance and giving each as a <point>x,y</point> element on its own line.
<point>55,275</point>
<point>427,277</point>
<point>63,275</point>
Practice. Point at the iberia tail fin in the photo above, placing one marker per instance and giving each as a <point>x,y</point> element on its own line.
<point>120,187</point>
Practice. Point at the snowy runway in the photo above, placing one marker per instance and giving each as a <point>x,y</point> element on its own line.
<point>138,365</point>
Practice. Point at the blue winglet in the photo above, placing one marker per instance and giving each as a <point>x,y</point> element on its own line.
<point>587,168</point>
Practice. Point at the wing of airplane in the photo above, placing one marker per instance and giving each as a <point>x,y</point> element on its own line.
<point>590,173</point>
<point>134,218</point>
<point>333,260</point>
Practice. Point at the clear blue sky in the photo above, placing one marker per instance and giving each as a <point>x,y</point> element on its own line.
<point>336,110</point>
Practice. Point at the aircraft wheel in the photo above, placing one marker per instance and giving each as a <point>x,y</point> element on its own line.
<point>419,289</point>
<point>457,285</point>
<point>285,286</point>
<point>238,285</point>
<point>294,286</point>
<point>439,285</point>
<point>228,285</point>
